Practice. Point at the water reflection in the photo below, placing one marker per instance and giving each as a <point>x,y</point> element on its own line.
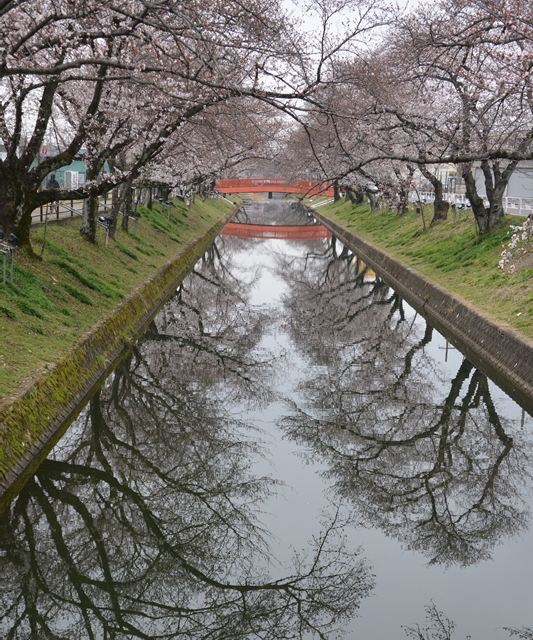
<point>426,458</point>
<point>275,212</point>
<point>145,522</point>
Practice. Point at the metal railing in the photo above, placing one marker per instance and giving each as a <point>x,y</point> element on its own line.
<point>57,210</point>
<point>518,206</point>
<point>429,196</point>
<point>323,202</point>
<point>277,185</point>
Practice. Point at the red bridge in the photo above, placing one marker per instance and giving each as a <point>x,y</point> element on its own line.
<point>302,232</point>
<point>274,185</point>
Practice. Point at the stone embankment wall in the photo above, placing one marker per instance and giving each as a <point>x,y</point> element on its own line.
<point>33,422</point>
<point>497,351</point>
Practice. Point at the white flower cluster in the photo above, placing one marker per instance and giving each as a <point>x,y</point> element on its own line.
<point>518,246</point>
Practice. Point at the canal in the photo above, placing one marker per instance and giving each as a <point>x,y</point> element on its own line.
<point>289,450</point>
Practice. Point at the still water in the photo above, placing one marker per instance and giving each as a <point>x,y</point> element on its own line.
<point>289,451</point>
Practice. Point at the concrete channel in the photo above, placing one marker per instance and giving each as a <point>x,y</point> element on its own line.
<point>497,351</point>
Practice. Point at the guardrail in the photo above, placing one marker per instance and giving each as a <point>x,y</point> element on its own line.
<point>518,206</point>
<point>323,202</point>
<point>427,197</point>
<point>57,210</point>
<point>274,185</point>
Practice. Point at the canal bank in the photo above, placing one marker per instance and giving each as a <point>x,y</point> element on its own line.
<point>498,351</point>
<point>34,420</point>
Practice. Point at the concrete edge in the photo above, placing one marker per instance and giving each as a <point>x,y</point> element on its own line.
<point>87,366</point>
<point>497,351</point>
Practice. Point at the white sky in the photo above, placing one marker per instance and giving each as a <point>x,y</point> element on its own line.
<point>310,21</point>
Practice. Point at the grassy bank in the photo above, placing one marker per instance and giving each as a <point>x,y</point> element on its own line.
<point>54,301</point>
<point>453,255</point>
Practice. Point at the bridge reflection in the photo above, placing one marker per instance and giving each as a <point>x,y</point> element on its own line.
<point>293,232</point>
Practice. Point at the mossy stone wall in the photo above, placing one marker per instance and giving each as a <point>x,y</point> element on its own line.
<point>34,421</point>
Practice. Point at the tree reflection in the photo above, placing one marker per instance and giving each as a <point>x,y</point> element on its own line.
<point>427,460</point>
<point>144,523</point>
<point>274,212</point>
<point>211,334</point>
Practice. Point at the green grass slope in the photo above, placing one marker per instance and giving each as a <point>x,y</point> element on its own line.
<point>54,301</point>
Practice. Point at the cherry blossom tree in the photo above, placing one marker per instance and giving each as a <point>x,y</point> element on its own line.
<point>188,59</point>
<point>45,48</point>
<point>450,83</point>
<point>459,55</point>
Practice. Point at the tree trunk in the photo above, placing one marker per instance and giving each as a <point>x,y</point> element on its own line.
<point>91,206</point>
<point>336,193</point>
<point>356,196</point>
<point>89,220</point>
<point>88,227</point>
<point>402,208</point>
<point>146,197</point>
<point>126,204</point>
<point>404,187</point>
<point>440,208</point>
<point>115,210</point>
<point>350,195</point>
<point>17,202</point>
<point>495,183</point>
<point>372,199</point>
<point>403,201</point>
<point>23,211</point>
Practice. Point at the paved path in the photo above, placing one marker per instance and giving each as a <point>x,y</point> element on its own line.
<point>64,209</point>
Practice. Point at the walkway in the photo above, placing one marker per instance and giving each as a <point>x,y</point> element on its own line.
<point>65,209</point>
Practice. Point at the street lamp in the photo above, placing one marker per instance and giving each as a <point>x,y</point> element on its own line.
<point>135,215</point>
<point>106,222</point>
